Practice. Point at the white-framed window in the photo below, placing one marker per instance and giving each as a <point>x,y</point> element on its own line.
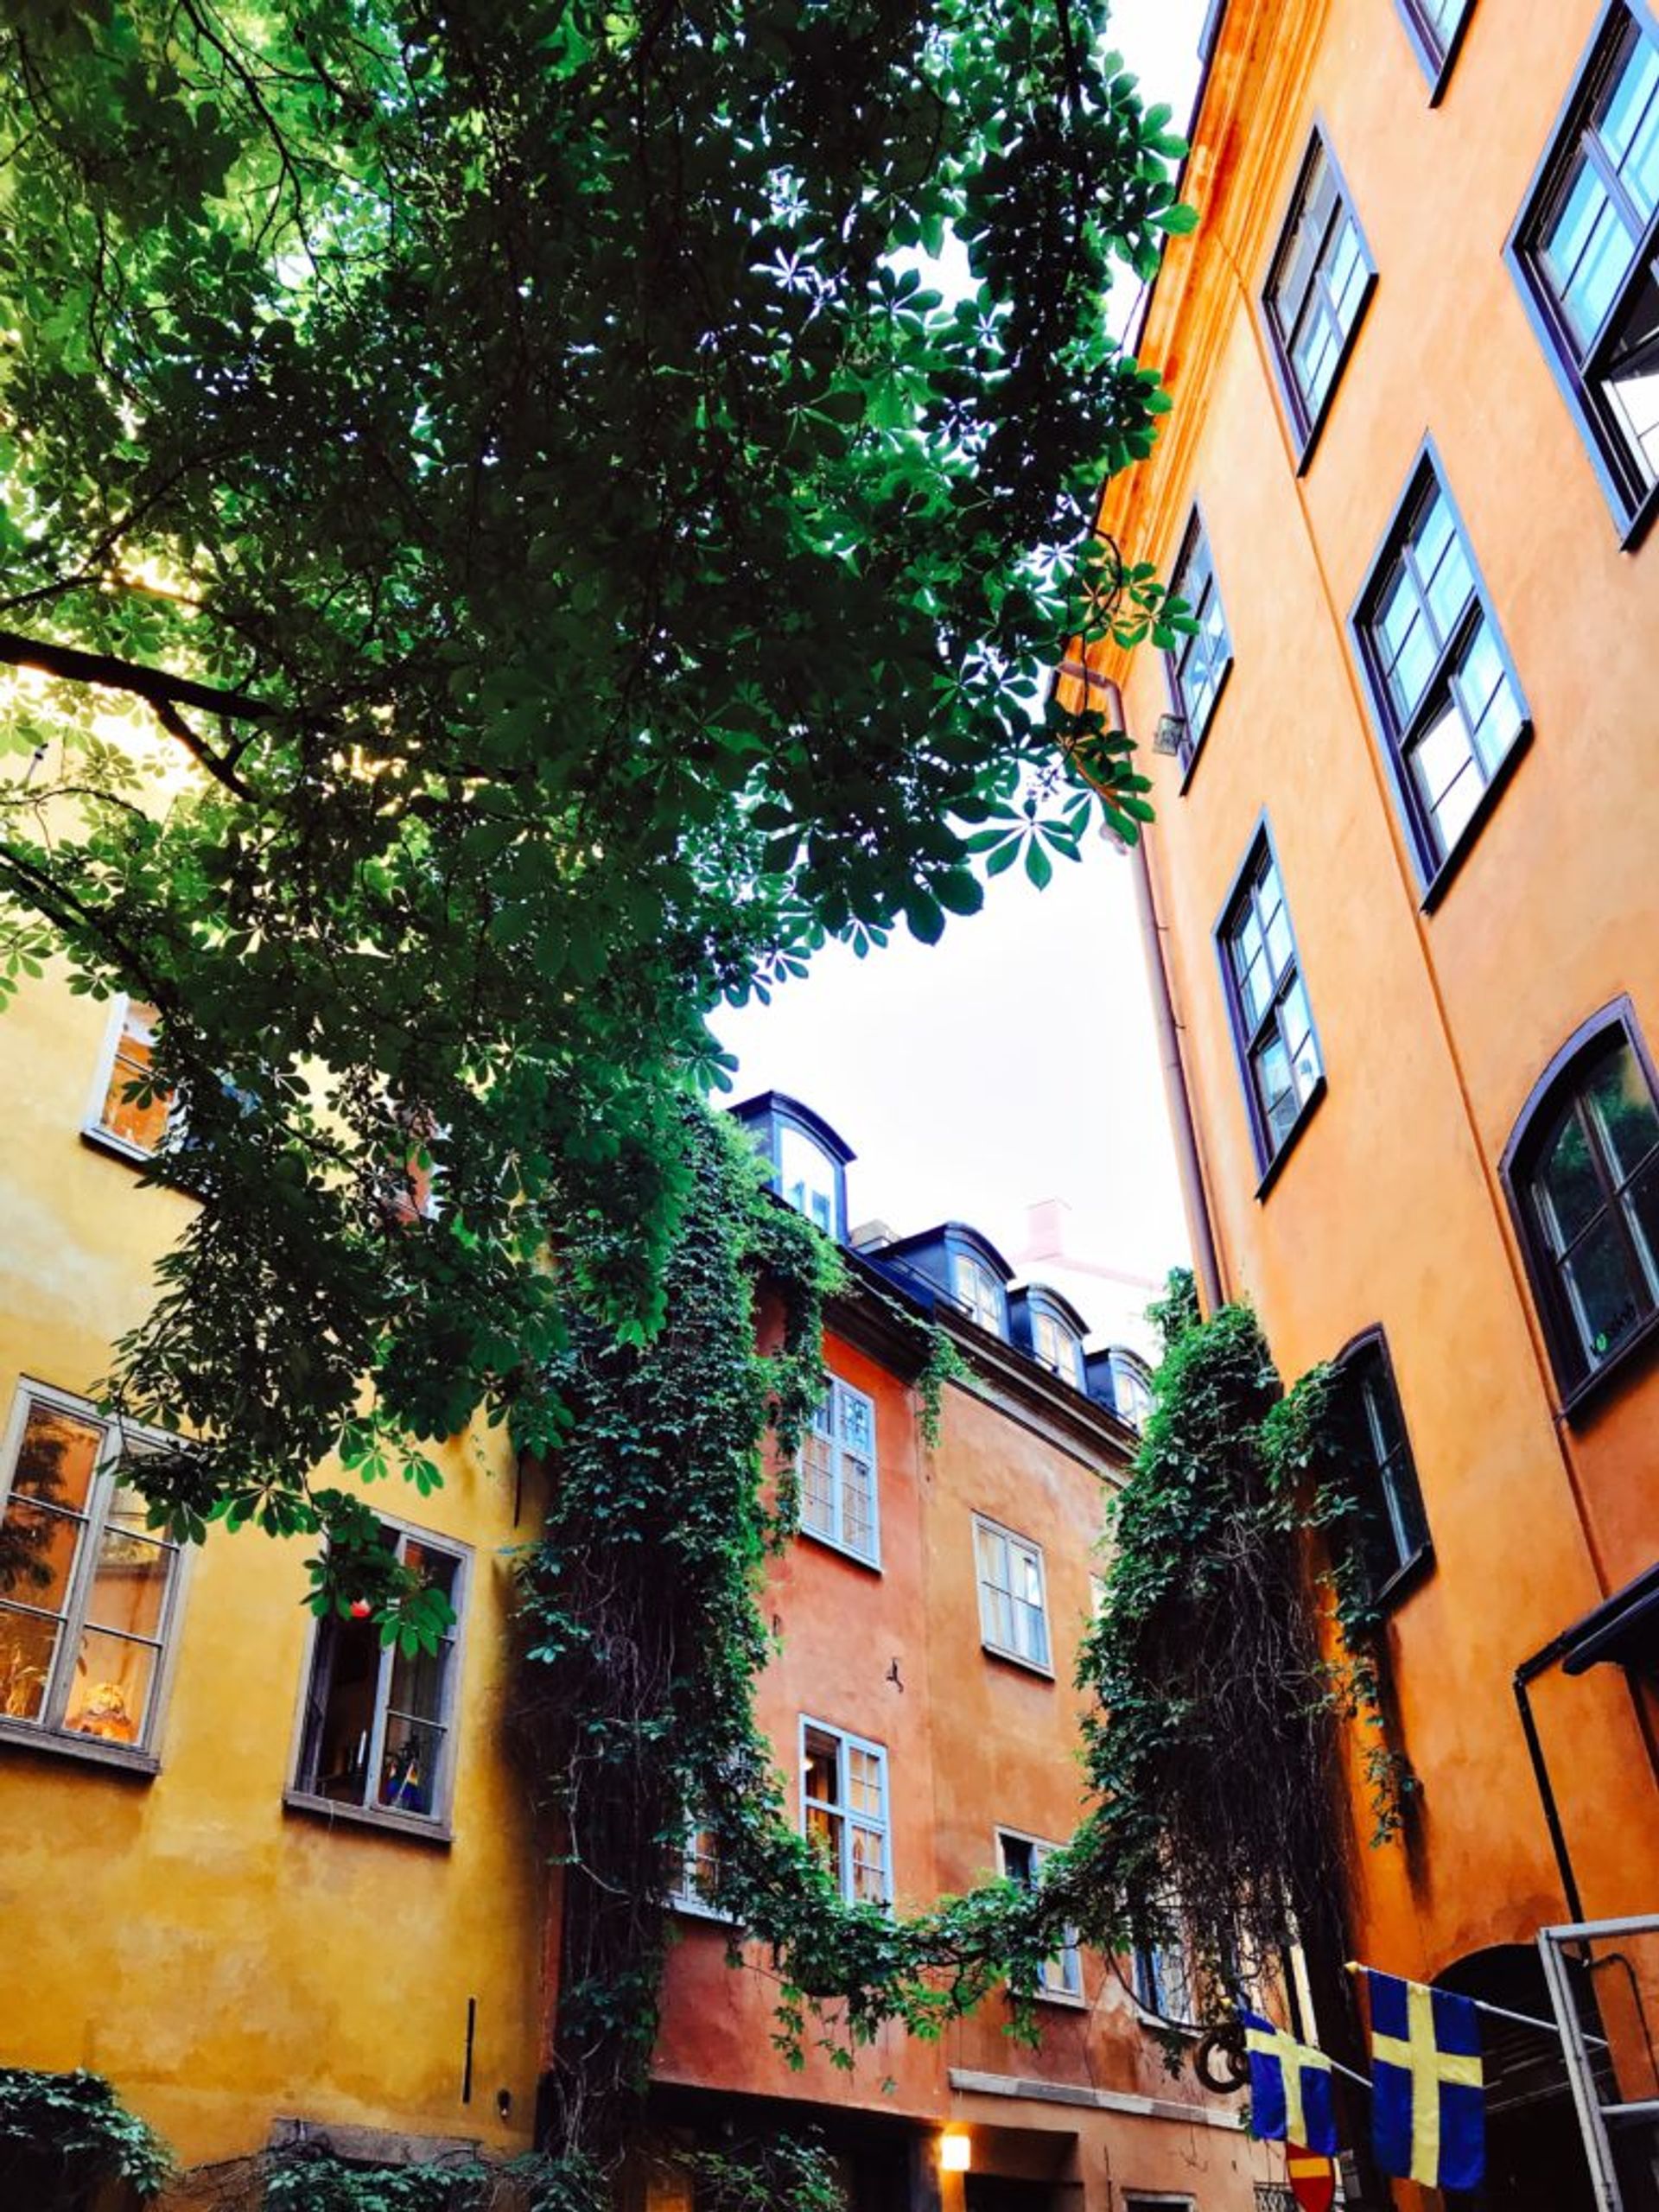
<point>978,1289</point>
<point>839,1497</point>
<point>844,1810</point>
<point>128,1047</point>
<point>1020,1858</point>
<point>1012,1602</point>
<point>807,1176</point>
<point>694,1873</point>
<point>1059,1349</point>
<point>88,1593</point>
<point>376,1723</point>
<point>1131,1388</point>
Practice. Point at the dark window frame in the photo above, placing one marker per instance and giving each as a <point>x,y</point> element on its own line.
<point>1438,63</point>
<point>1307,424</point>
<point>1580,1384</point>
<point>1435,871</point>
<point>1633,505</point>
<point>1370,1348</point>
<point>1270,1160</point>
<point>1195,536</point>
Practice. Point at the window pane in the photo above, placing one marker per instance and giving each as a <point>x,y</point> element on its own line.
<point>1605,1297</point>
<point>1296,1022</point>
<point>110,1697</point>
<point>142,1126</point>
<point>1622,1108</point>
<point>408,1764</point>
<point>855,1419</point>
<point>129,1582</point>
<point>1280,949</point>
<point>1631,380</point>
<point>822,1772</point>
<point>1642,1217</point>
<point>37,1554</point>
<point>1347,275</point>
<point>28,1645</point>
<point>1630,126</point>
<point>1587,249</point>
<point>340,1716</point>
<point>1276,1089</point>
<point>869,1867</point>
<point>1569,1196</point>
<point>1029,1577</point>
<point>863,1782</point>
<point>1448,578</point>
<point>998,1619</point>
<point>57,1456</point>
<point>1032,1631</point>
<point>417,1680</point>
<point>817,1484</point>
<point>1497,720</point>
<point>1440,756</point>
<point>824,1831</point>
<point>857,1516</point>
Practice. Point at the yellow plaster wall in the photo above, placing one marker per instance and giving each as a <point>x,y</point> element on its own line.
<point>222,1960</point>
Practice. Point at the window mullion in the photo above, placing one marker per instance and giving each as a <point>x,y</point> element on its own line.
<point>100,1491</point>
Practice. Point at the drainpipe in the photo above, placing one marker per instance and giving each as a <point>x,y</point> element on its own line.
<point>1525,1674</point>
<point>1204,1261</point>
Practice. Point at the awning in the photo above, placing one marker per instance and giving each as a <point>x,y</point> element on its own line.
<point>1622,1629</point>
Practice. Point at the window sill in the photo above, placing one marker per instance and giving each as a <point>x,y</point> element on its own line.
<point>1404,1581</point>
<point>710,1914</point>
<point>84,1750</point>
<point>1043,1672</point>
<point>841,1551</point>
<point>1440,881</point>
<point>411,1825</point>
<point>99,1140</point>
<point>1064,1999</point>
<point>1274,1167</point>
<point>1637,1349</point>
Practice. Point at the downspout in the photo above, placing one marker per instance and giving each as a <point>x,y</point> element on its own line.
<point>1205,1264</point>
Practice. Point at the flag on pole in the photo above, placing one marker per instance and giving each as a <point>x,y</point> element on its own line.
<point>1290,2088</point>
<point>1428,2111</point>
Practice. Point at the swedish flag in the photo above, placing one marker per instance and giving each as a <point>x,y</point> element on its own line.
<point>1290,2088</point>
<point>1427,2098</point>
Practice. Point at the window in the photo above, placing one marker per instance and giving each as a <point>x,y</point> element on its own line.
<point>1582,1172</point>
<point>1057,1347</point>
<point>1272,1025</point>
<point>1163,1982</point>
<point>1131,1388</point>
<point>377,1731</point>
<point>694,1873</point>
<point>1013,1610</point>
<point>1022,1858</point>
<point>1587,251</point>
<point>1445,694</point>
<point>844,1811</point>
<point>88,1594</point>
<point>978,1289</point>
<point>1197,668</point>
<point>1321,278</point>
<point>1393,1533</point>
<point>807,1177</point>
<point>138,1126</point>
<point>839,1497</point>
<point>1435,27</point>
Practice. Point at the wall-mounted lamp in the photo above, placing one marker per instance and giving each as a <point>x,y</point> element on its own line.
<point>1169,734</point>
<point>955,2150</point>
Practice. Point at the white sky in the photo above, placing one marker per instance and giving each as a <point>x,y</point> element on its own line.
<point>1014,1061</point>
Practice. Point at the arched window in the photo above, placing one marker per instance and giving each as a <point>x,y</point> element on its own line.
<point>1582,1172</point>
<point>1131,1388</point>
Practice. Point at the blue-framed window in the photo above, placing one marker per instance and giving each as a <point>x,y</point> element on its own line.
<point>1443,692</point>
<point>844,1811</point>
<point>1586,251</point>
<point>1582,1174</point>
<point>1435,28</point>
<point>1318,285</point>
<point>1279,1056</point>
<point>1198,667</point>
<point>1391,1537</point>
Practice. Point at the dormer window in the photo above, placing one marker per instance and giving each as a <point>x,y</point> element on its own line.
<point>807,1176</point>
<point>978,1289</point>
<point>1058,1348</point>
<point>1131,1388</point>
<point>807,1159</point>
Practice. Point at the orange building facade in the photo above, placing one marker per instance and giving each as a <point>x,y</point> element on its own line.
<point>1404,906</point>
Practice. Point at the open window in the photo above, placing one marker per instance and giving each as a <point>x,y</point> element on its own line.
<point>844,1811</point>
<point>127,1112</point>
<point>1021,1858</point>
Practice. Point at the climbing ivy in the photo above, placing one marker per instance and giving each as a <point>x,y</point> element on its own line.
<point>65,2137</point>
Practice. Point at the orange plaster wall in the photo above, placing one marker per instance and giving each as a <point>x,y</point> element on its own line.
<point>225,1961</point>
<point>1434,1027</point>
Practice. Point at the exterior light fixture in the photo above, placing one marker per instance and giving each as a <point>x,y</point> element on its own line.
<point>955,2146</point>
<point>1169,734</point>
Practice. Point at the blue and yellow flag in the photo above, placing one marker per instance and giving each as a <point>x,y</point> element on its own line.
<point>1428,2107</point>
<point>1290,2088</point>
